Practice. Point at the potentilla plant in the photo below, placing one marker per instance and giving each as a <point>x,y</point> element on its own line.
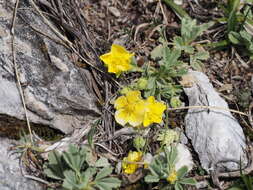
<point>168,169</point>
<point>140,106</point>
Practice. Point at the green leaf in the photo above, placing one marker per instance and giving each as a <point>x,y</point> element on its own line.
<point>170,57</point>
<point>195,59</point>
<point>235,188</point>
<point>107,183</point>
<point>91,135</point>
<point>55,167</point>
<point>103,173</point>
<point>157,166</point>
<point>190,30</point>
<point>151,179</point>
<point>157,52</point>
<point>70,180</point>
<point>247,181</point>
<point>247,40</point>
<point>88,174</point>
<point>182,172</point>
<point>202,55</point>
<point>171,156</point>
<point>102,162</point>
<point>248,26</point>
<point>233,6</point>
<point>188,181</point>
<point>234,37</point>
<point>180,45</point>
<point>75,157</point>
<point>178,186</point>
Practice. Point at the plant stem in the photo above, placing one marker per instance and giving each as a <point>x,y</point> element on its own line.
<point>180,12</point>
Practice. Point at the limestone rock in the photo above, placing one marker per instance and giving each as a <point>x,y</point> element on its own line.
<point>215,134</point>
<point>56,91</point>
<point>10,174</point>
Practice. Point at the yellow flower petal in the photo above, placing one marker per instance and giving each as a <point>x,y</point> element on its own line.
<point>154,111</point>
<point>133,96</point>
<point>130,109</point>
<point>130,168</point>
<point>121,102</point>
<point>134,156</point>
<point>106,58</point>
<point>117,60</point>
<point>121,117</point>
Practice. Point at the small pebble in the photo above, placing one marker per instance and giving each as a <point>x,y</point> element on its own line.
<point>114,11</point>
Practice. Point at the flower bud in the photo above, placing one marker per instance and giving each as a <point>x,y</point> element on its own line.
<point>175,102</point>
<point>139,142</point>
<point>142,84</point>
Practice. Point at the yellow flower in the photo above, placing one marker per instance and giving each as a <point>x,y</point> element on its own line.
<point>172,177</point>
<point>117,60</point>
<point>153,112</point>
<point>130,109</point>
<point>129,167</point>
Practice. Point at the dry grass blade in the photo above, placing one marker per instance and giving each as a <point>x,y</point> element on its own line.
<point>16,70</point>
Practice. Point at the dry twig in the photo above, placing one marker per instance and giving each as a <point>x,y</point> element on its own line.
<point>16,69</point>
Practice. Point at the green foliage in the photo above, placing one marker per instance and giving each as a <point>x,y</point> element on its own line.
<point>239,19</point>
<point>161,80</point>
<point>245,183</point>
<point>189,32</point>
<point>232,9</point>
<point>167,137</point>
<point>72,168</point>
<point>139,143</point>
<point>162,165</point>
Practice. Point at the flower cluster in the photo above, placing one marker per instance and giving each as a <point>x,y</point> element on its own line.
<point>118,60</point>
<point>132,109</point>
<point>172,177</point>
<point>128,164</point>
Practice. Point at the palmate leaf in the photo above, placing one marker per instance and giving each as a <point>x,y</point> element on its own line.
<point>70,182</point>
<point>195,59</point>
<point>182,172</point>
<point>56,166</point>
<point>188,181</point>
<point>107,183</point>
<point>102,162</point>
<point>157,52</point>
<point>171,156</point>
<point>151,179</point>
<point>170,56</point>
<point>103,173</point>
<point>179,44</point>
<point>75,157</point>
<point>158,167</point>
<point>178,186</point>
<point>190,30</point>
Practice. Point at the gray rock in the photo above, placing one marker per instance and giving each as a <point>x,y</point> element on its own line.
<point>215,134</point>
<point>10,174</point>
<point>57,92</point>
